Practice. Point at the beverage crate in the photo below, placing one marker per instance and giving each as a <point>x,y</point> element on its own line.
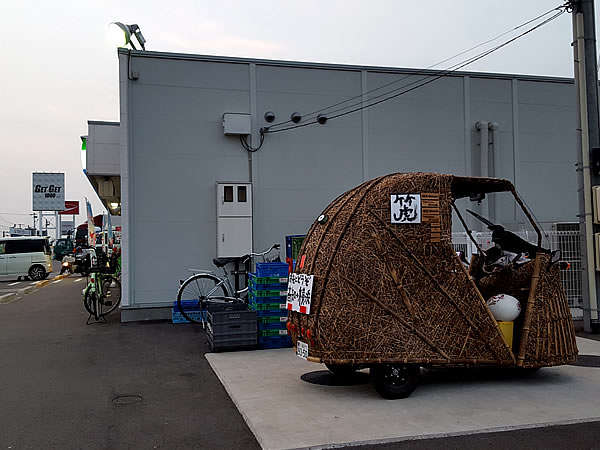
<point>272,319</point>
<point>275,332</point>
<point>253,279</point>
<point>274,299</point>
<point>269,293</point>
<point>274,342</point>
<point>271,269</point>
<point>266,287</point>
<point>293,244</point>
<point>268,306</point>
<point>229,306</point>
<point>272,325</point>
<point>188,305</point>
<point>271,313</point>
<point>244,341</point>
<point>177,317</point>
<point>231,328</point>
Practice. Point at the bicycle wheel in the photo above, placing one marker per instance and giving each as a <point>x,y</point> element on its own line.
<point>196,292</point>
<point>111,295</point>
<point>90,302</point>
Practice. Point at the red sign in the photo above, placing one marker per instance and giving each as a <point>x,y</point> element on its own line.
<point>71,207</point>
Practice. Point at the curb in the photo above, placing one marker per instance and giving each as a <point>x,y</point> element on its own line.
<point>26,290</point>
<point>7,298</point>
<point>42,283</point>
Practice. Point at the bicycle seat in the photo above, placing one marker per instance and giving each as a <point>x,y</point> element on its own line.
<point>222,262</point>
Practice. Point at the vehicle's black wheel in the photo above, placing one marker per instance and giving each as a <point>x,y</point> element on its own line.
<point>111,295</point>
<point>393,381</point>
<point>198,291</point>
<point>37,273</point>
<point>342,370</point>
<point>90,302</point>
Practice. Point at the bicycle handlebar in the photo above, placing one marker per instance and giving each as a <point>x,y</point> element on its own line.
<point>250,255</point>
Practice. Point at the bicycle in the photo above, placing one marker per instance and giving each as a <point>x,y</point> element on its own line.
<point>102,295</point>
<point>201,289</point>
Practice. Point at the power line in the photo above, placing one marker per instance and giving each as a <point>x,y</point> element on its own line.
<point>432,77</point>
<point>420,72</point>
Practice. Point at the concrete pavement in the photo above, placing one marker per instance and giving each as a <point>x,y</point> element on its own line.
<point>285,412</point>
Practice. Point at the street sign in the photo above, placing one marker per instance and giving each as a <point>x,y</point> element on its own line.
<point>71,207</point>
<point>48,191</point>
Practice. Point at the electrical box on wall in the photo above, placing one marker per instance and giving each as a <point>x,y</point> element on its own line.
<point>236,124</point>
<point>234,219</point>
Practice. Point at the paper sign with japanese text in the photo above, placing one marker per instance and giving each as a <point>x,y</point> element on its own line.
<point>405,208</point>
<point>299,293</point>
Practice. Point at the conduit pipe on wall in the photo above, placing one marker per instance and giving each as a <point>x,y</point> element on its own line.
<point>482,126</point>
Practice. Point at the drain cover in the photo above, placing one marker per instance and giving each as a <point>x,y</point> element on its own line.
<point>587,361</point>
<point>326,378</point>
<point>127,399</point>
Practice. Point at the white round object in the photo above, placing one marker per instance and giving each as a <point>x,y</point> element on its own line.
<point>504,308</point>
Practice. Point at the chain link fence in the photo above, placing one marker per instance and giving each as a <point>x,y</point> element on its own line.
<point>568,242</point>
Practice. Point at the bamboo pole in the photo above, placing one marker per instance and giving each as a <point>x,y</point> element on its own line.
<point>529,312</point>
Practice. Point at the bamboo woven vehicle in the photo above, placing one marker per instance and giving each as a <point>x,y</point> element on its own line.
<point>378,284</point>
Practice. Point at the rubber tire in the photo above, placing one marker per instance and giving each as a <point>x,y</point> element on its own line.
<point>90,304</point>
<point>342,370</point>
<point>188,284</point>
<point>394,381</point>
<point>37,272</point>
<point>112,287</point>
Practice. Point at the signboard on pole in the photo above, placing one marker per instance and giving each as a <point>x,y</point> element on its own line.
<point>71,208</point>
<point>48,191</point>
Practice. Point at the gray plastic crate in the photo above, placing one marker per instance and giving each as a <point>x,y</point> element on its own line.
<point>231,329</point>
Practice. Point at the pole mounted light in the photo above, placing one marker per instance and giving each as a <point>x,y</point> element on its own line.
<point>122,34</point>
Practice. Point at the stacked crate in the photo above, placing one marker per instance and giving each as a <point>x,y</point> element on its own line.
<point>231,326</point>
<point>292,248</point>
<point>192,309</point>
<point>267,292</point>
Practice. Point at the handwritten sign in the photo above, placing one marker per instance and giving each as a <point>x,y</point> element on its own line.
<point>405,208</point>
<point>299,292</point>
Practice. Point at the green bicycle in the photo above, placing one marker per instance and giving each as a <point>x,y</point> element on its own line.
<point>102,295</point>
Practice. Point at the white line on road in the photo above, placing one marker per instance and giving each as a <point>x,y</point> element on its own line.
<point>57,281</point>
<point>34,283</point>
<point>77,279</point>
<point>16,282</point>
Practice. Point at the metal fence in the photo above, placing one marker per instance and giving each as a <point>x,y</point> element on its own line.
<point>567,242</point>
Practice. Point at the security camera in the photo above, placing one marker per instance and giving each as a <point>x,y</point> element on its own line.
<point>269,116</point>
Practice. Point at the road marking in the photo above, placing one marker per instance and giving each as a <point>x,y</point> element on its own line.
<point>34,283</point>
<point>57,281</point>
<point>16,282</point>
<point>77,279</point>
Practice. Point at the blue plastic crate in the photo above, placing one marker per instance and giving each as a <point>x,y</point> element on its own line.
<point>293,244</point>
<point>271,269</point>
<point>188,305</point>
<point>268,287</point>
<point>261,300</point>
<point>253,279</point>
<point>265,342</point>
<point>177,317</point>
<point>271,313</point>
<point>272,326</point>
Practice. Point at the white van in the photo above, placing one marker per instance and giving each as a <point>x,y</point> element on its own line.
<point>26,256</point>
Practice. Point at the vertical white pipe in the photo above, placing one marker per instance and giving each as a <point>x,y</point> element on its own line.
<point>493,127</point>
<point>482,126</point>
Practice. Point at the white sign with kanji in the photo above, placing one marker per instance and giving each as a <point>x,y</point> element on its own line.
<point>299,294</point>
<point>405,208</point>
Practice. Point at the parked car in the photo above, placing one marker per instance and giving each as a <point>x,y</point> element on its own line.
<point>62,248</point>
<point>26,256</point>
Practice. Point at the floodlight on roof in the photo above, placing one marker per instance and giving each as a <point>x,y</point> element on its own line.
<point>121,34</point>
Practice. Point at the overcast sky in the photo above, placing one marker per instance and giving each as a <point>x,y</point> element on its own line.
<point>59,69</point>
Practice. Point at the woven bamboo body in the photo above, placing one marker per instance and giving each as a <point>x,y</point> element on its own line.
<point>387,292</point>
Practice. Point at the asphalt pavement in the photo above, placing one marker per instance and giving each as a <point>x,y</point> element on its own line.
<point>65,384</point>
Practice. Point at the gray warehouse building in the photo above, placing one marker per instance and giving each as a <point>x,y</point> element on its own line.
<point>190,191</point>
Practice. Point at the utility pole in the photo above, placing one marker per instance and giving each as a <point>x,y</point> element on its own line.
<point>588,143</point>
